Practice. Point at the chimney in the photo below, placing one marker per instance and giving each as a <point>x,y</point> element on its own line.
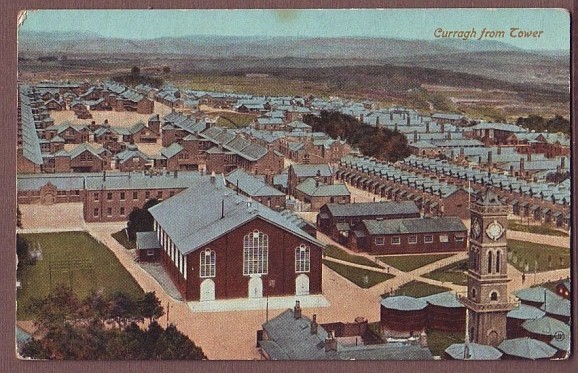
<point>442,127</point>
<point>427,127</point>
<point>297,310</point>
<point>316,182</point>
<point>395,127</point>
<point>408,121</point>
<point>415,136</point>
<point>562,163</point>
<point>529,155</point>
<point>522,166</point>
<point>176,173</point>
<point>106,121</point>
<point>361,117</point>
<point>103,175</point>
<point>314,324</point>
<point>511,170</point>
<point>490,160</point>
<point>377,121</point>
<point>213,177</point>
<point>222,208</point>
<point>390,115</point>
<point>462,152</point>
<point>330,342</point>
<point>449,135</point>
<point>452,154</point>
<point>499,149</point>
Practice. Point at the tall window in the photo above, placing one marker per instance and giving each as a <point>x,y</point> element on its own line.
<point>489,262</point>
<point>302,256</point>
<point>498,255</point>
<point>255,253</point>
<point>208,263</point>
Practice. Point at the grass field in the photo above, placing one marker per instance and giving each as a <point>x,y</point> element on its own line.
<point>537,229</point>
<point>121,238</point>
<point>74,259</point>
<point>418,289</point>
<point>531,253</point>
<point>454,273</point>
<point>358,275</point>
<point>407,263</point>
<point>338,253</point>
<point>438,340</point>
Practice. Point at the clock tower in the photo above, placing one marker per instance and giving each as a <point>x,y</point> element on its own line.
<point>488,300</point>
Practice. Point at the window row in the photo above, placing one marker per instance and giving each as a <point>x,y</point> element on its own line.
<point>412,240</point>
<point>109,211</point>
<point>135,195</point>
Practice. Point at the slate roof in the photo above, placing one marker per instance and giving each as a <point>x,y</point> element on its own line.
<point>251,185</point>
<point>546,326</point>
<point>147,240</point>
<point>310,188</point>
<point>557,306</point>
<point>130,153</point>
<point>527,348</point>
<point>446,299</point>
<point>81,149</point>
<point>202,221</point>
<point>415,225</point>
<point>30,143</point>
<point>310,170</point>
<point>475,352</point>
<point>171,150</point>
<point>291,339</point>
<point>537,294</point>
<point>525,312</point>
<point>373,208</point>
<point>404,303</point>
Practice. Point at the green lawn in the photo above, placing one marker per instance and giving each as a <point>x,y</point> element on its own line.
<point>338,253</point>
<point>515,225</point>
<point>523,252</point>
<point>121,238</point>
<point>360,277</point>
<point>438,340</point>
<point>454,273</point>
<point>74,259</point>
<point>418,289</point>
<point>407,263</point>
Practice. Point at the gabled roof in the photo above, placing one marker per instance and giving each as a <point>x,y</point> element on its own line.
<point>81,149</point>
<point>373,208</point>
<point>312,170</point>
<point>311,188</point>
<point>212,210</point>
<point>147,240</point>
<point>130,153</point>
<point>527,348</point>
<point>473,351</point>
<point>171,150</point>
<point>250,185</point>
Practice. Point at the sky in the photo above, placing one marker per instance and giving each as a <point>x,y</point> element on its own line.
<point>387,23</point>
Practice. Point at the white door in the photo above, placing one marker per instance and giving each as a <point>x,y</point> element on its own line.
<point>207,290</point>
<point>255,287</point>
<point>302,285</point>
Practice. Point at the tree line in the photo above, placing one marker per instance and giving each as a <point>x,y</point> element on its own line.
<point>379,142</point>
<point>102,327</point>
<point>541,124</point>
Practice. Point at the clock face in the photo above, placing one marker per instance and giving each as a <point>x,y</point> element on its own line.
<point>476,229</point>
<point>494,230</point>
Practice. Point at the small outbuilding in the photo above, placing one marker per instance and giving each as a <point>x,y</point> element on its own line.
<point>403,314</point>
<point>148,247</point>
<point>445,312</point>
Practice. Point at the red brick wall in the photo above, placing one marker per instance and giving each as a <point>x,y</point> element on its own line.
<point>145,106</point>
<point>230,281</point>
<point>420,247</point>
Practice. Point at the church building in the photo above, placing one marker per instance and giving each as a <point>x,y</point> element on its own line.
<point>216,244</point>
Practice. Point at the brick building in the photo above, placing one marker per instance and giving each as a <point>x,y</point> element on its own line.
<point>218,247</point>
<point>409,236</point>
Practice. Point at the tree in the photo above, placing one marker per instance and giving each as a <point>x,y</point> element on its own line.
<point>135,71</point>
<point>104,328</point>
<point>22,251</point>
<point>140,220</point>
<point>150,307</point>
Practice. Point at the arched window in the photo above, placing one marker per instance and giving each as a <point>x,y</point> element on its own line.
<point>498,257</point>
<point>493,296</point>
<point>489,262</point>
<point>302,255</point>
<point>473,293</point>
<point>208,261</point>
<point>255,253</point>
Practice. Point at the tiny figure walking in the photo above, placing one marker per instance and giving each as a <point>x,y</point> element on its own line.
<point>523,277</point>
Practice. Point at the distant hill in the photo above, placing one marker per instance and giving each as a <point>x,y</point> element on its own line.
<point>232,46</point>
